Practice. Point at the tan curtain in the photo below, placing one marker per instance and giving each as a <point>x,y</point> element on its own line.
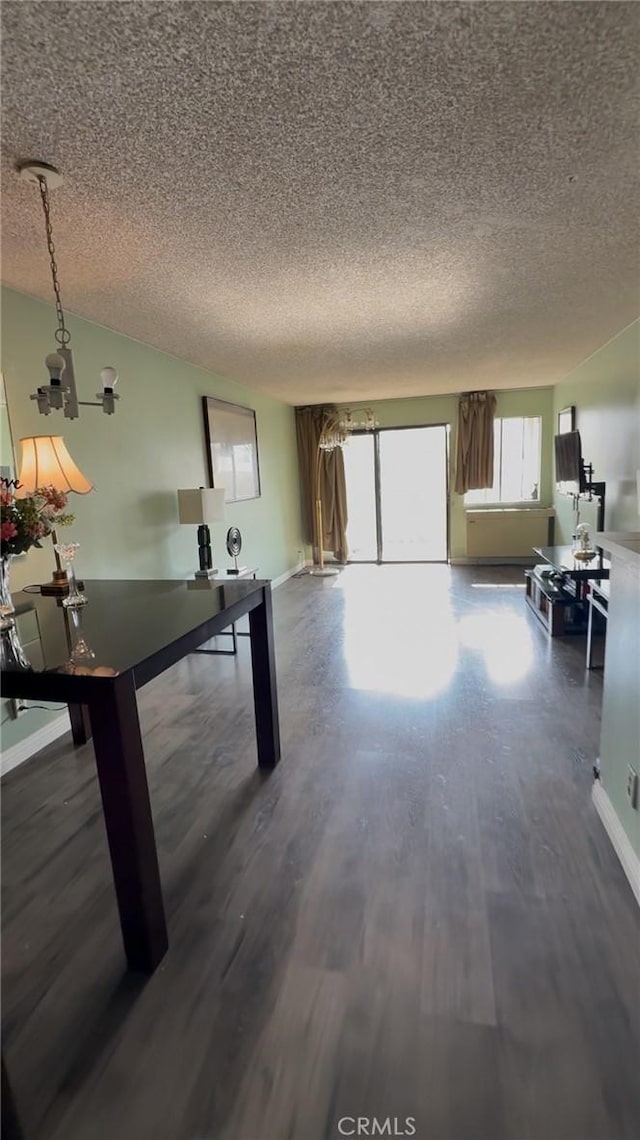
<point>333,491</point>
<point>474,452</point>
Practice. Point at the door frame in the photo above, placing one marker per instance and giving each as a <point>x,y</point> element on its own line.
<point>379,560</point>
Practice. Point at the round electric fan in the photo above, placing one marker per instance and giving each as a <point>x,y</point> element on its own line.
<point>234,546</point>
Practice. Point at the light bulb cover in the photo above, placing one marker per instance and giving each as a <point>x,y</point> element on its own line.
<point>55,365</point>
<point>108,377</point>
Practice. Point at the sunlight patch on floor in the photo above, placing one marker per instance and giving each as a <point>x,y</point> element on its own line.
<point>402,636</point>
<point>504,640</point>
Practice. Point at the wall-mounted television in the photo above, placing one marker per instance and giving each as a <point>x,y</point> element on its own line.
<point>570,471</point>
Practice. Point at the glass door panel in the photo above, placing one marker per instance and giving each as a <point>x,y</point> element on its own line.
<point>413,494</point>
<point>359,470</point>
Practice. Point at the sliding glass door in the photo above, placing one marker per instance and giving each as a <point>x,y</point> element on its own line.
<point>360,476</point>
<point>397,495</point>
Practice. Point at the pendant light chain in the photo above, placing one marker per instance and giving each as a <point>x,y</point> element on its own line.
<point>62,334</point>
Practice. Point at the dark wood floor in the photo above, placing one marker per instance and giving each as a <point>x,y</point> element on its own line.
<point>417,914</point>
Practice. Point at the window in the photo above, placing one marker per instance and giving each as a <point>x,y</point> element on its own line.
<point>516,463</point>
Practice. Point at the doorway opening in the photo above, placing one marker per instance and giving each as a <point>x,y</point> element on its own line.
<point>397,495</point>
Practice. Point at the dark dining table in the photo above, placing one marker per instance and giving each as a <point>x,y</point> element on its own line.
<point>94,659</point>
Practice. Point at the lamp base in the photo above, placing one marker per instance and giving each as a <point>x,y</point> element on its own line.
<point>205,573</point>
<point>57,587</point>
<point>236,570</point>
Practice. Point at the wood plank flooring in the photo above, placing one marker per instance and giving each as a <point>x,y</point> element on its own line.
<point>418,914</point>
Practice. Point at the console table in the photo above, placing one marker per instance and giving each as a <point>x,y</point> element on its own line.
<point>555,589</point>
<point>128,633</point>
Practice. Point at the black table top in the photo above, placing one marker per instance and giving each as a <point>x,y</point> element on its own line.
<point>563,560</point>
<point>138,625</point>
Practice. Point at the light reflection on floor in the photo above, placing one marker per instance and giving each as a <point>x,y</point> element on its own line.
<point>503,640</point>
<point>497,585</point>
<point>403,636</point>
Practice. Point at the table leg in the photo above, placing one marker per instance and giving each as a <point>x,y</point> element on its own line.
<point>129,823</point>
<point>590,638</point>
<point>11,1129</point>
<point>80,724</point>
<point>265,692</point>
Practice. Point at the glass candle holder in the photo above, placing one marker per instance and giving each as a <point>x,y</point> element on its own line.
<point>81,652</point>
<point>66,551</point>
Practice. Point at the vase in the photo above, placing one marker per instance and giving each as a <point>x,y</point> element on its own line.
<point>7,609</point>
<point>67,552</point>
<point>12,655</point>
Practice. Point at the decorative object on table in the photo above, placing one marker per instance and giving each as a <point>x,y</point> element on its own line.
<point>582,546</point>
<point>232,449</point>
<point>80,652</point>
<point>234,546</point>
<point>12,655</point>
<point>25,520</point>
<point>67,552</point>
<point>23,523</point>
<point>336,431</point>
<point>47,467</point>
<point>202,506</point>
<point>61,392</point>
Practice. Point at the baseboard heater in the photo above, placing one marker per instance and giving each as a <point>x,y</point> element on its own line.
<point>508,532</point>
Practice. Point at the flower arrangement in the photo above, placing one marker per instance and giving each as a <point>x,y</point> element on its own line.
<point>24,522</point>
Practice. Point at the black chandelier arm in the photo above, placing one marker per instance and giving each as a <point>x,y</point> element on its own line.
<point>62,334</point>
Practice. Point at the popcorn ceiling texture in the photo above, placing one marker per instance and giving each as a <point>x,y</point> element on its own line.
<point>333,201</point>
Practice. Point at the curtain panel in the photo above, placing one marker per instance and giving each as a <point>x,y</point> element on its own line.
<point>474,451</point>
<point>333,491</point>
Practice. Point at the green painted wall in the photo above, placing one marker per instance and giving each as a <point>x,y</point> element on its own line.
<point>620,735</point>
<point>128,526</point>
<point>444,410</point>
<point>605,391</point>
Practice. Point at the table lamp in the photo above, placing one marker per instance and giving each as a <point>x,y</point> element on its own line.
<point>45,462</point>
<point>201,506</point>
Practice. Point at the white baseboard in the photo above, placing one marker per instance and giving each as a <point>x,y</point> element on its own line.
<point>31,744</point>
<point>618,836</point>
<point>275,582</point>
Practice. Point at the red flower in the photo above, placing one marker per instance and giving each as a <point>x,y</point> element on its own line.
<point>8,530</point>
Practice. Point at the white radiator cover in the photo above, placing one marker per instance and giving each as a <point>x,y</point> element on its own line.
<point>507,532</point>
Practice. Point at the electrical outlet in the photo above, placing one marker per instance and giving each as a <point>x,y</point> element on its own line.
<point>632,786</point>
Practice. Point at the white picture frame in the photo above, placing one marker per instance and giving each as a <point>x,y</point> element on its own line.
<point>232,449</point>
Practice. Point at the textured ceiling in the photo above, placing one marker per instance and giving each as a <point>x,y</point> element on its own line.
<point>333,201</point>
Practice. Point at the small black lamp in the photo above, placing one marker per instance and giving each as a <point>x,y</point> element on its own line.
<point>200,506</point>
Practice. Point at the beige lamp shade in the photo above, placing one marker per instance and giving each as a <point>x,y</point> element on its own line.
<point>201,505</point>
<point>45,462</point>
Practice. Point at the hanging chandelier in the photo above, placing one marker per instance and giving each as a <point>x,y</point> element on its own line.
<point>61,392</point>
